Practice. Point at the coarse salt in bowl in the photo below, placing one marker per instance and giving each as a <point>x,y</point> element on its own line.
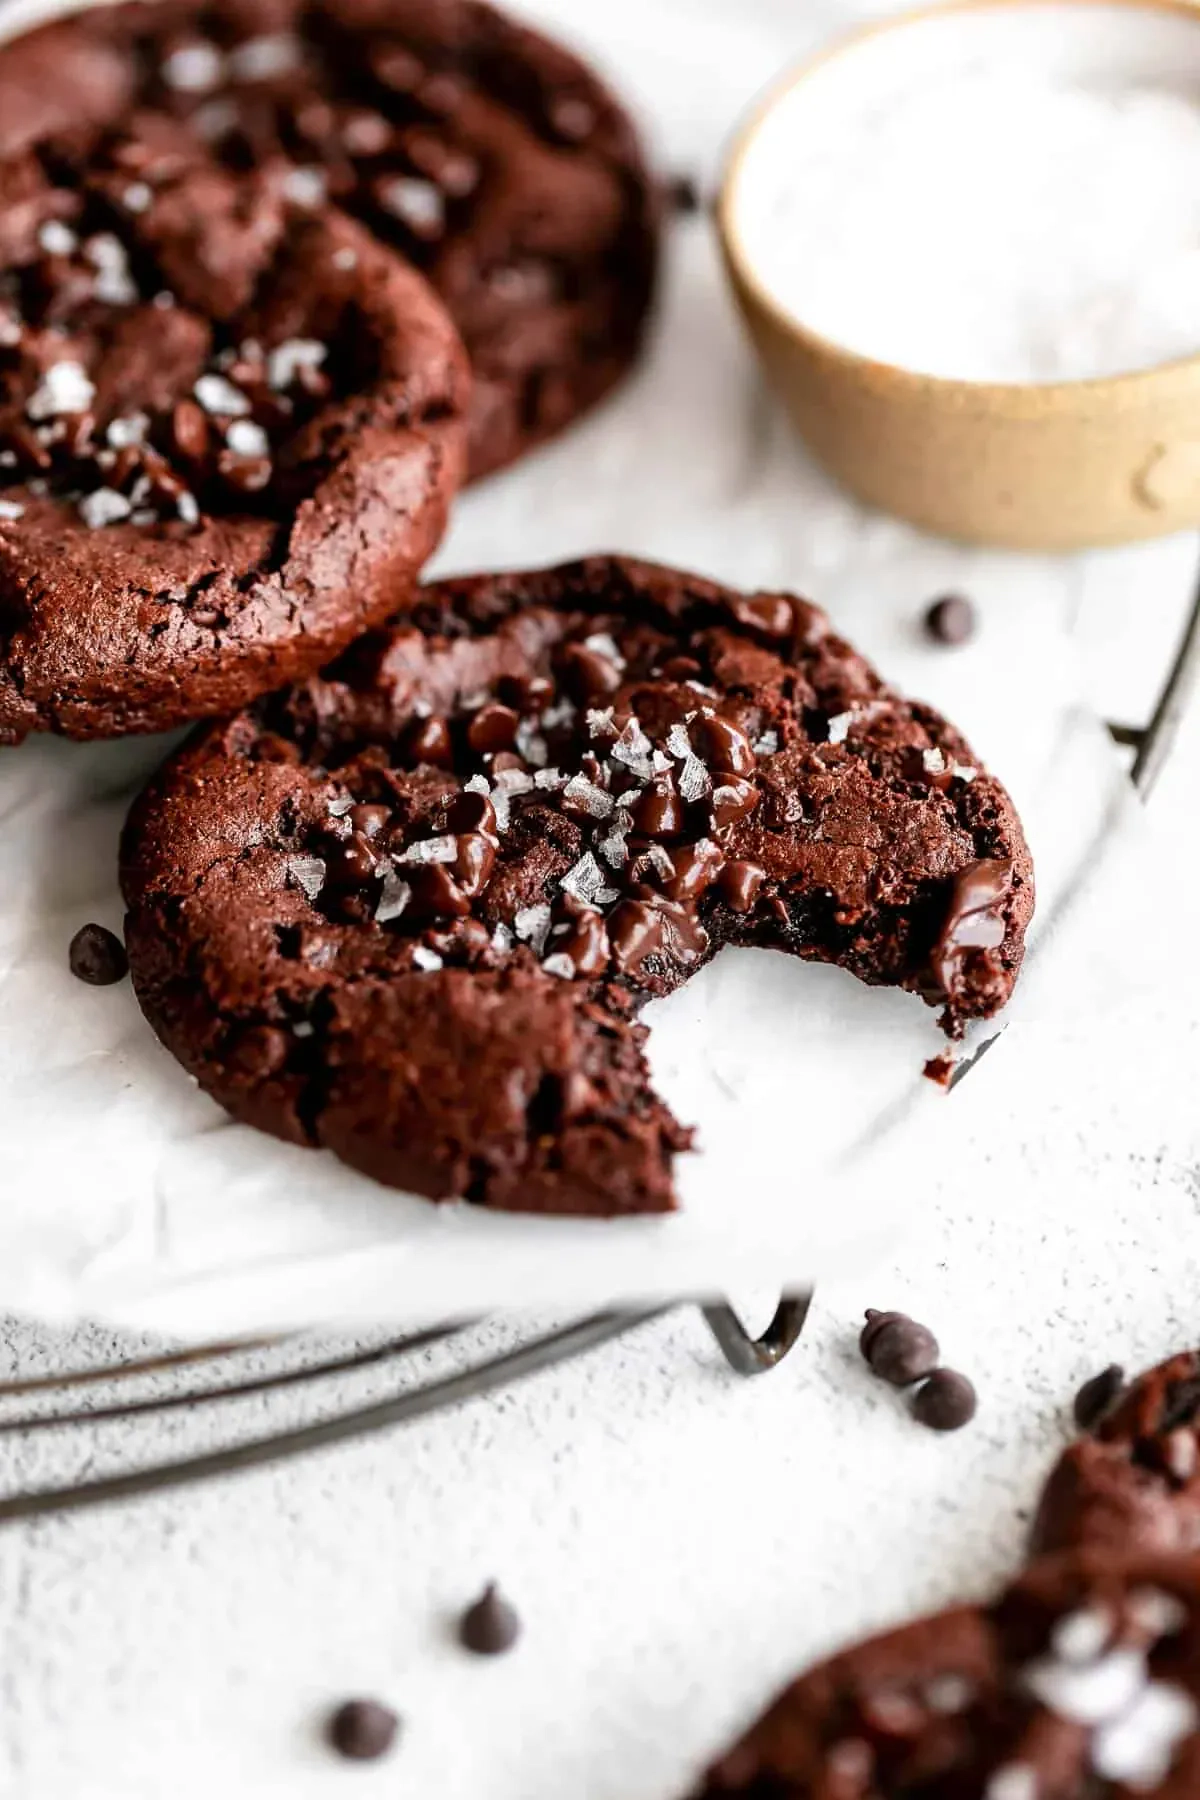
<point>967,245</point>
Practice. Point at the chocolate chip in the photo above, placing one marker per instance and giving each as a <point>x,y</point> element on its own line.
<point>430,742</point>
<point>471,811</point>
<point>658,810</point>
<point>369,821</point>
<point>586,944</point>
<point>946,1402</point>
<point>635,931</point>
<point>725,747</point>
<point>1096,1396</point>
<point>897,1348</point>
<point>363,1730</point>
<point>739,882</point>
<point>950,620</point>
<point>493,728</point>
<point>683,195</point>
<point>974,918</point>
<point>490,1626</point>
<point>97,956</point>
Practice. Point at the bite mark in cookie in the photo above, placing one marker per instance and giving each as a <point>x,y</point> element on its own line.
<point>410,911</point>
<point>230,429</point>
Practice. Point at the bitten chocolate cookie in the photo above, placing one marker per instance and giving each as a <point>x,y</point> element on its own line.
<point>492,158</point>
<point>1132,1483</point>
<point>410,911</point>
<point>230,429</point>
<point>1081,1683</point>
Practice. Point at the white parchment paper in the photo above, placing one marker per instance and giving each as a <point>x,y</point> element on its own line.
<point>126,1194</point>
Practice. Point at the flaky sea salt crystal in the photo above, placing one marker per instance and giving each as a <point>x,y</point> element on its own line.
<point>1015,1781</point>
<point>394,896</point>
<point>286,360</point>
<point>602,643</point>
<point>503,940</point>
<point>246,438</point>
<point>57,239</point>
<point>114,285</point>
<point>532,926</point>
<point>582,792</point>
<point>531,744</point>
<point>514,781</point>
<point>307,873</point>
<point>560,965</point>
<point>126,432</point>
<point>193,68</point>
<point>264,58</point>
<point>1089,1693</point>
<point>138,197</point>
<point>1138,1748</point>
<point>104,506</point>
<point>427,960</point>
<point>306,186</point>
<point>220,397</point>
<point>614,849</point>
<point>1081,1635</point>
<point>550,779</point>
<point>64,389</point>
<point>934,762</point>
<point>188,509</point>
<point>679,743</point>
<point>767,744</point>
<point>11,511</point>
<point>416,203</point>
<point>693,779</point>
<point>600,721</point>
<point>561,713</point>
<point>839,727</point>
<point>660,861</point>
<point>430,850</point>
<point>585,882</point>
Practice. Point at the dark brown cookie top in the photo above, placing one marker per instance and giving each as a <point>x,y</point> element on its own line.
<point>489,156</point>
<point>1081,1683</point>
<point>229,431</point>
<point>409,911</point>
<point>1133,1482</point>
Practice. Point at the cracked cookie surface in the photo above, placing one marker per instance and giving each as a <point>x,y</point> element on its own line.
<point>488,155</point>
<point>1081,1683</point>
<point>409,911</point>
<point>230,429</point>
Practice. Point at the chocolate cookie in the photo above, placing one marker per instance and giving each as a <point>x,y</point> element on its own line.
<point>1133,1483</point>
<point>410,911</point>
<point>1081,1683</point>
<point>491,157</point>
<point>230,428</point>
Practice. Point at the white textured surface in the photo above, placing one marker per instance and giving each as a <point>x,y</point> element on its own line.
<point>677,1541</point>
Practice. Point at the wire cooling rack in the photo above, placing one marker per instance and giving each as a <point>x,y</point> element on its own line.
<point>218,1380</point>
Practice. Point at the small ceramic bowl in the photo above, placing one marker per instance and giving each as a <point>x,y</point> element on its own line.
<point>1054,466</point>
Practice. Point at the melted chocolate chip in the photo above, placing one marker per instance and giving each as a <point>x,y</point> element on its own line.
<point>696,867</point>
<point>369,821</point>
<point>658,811</point>
<point>733,799</point>
<point>471,812</point>
<point>588,674</point>
<point>739,883</point>
<point>474,863</point>
<point>586,943</point>
<point>97,956</point>
<point>635,932</point>
<point>491,1626</point>
<point>430,742</point>
<point>435,893</point>
<point>725,747</point>
<point>973,920</point>
<point>493,728</point>
<point>363,1730</point>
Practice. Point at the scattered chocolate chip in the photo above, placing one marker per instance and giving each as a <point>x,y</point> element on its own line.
<point>1096,1396</point>
<point>363,1730</point>
<point>490,1626</point>
<point>683,195</point>
<point>897,1348</point>
<point>97,956</point>
<point>951,620</point>
<point>946,1402</point>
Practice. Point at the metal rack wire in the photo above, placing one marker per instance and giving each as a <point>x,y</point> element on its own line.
<point>90,1399</point>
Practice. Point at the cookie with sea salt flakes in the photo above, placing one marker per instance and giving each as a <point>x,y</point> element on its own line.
<point>230,429</point>
<point>1081,1683</point>
<point>409,911</point>
<point>1133,1481</point>
<point>491,157</point>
